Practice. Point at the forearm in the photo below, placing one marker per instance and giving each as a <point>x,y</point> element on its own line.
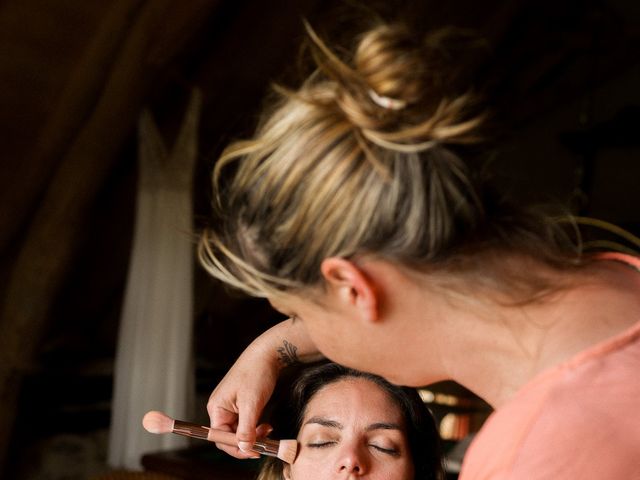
<point>288,343</point>
<point>238,400</point>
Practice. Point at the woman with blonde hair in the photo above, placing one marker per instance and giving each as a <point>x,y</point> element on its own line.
<point>358,212</point>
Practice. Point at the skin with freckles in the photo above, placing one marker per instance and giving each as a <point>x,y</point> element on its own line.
<point>352,429</point>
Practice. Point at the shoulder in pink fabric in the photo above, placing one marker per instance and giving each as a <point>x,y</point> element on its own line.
<point>621,257</point>
<point>579,420</point>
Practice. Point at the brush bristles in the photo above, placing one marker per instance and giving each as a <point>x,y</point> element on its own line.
<point>288,450</point>
<point>157,422</point>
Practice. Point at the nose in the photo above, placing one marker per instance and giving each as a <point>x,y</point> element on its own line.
<point>351,461</point>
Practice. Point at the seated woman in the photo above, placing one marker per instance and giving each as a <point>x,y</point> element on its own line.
<point>353,424</point>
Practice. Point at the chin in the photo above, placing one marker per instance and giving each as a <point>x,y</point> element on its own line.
<point>396,380</point>
<point>407,381</point>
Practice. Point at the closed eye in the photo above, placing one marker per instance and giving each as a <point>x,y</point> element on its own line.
<point>320,444</point>
<point>388,451</point>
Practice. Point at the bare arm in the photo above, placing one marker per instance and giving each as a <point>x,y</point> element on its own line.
<point>238,400</point>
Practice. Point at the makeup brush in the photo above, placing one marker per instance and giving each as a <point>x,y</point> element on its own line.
<point>158,422</point>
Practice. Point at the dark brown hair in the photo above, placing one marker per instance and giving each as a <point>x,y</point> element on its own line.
<point>421,431</point>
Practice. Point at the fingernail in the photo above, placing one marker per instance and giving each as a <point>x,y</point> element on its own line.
<point>245,447</point>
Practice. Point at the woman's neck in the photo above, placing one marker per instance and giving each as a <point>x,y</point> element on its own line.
<point>494,349</point>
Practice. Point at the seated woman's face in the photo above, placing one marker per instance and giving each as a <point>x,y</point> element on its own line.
<point>352,429</point>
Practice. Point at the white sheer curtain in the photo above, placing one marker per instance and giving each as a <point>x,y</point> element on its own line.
<point>154,364</point>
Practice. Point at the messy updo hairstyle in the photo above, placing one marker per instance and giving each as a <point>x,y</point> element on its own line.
<point>364,158</point>
<point>420,428</point>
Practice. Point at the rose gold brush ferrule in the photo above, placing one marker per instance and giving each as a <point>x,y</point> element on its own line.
<point>266,446</point>
<point>190,430</point>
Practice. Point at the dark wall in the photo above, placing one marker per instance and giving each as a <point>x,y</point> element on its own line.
<point>561,78</point>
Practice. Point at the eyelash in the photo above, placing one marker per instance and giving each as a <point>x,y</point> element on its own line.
<point>320,445</point>
<point>388,451</point>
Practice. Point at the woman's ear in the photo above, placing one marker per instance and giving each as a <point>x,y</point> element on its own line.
<point>351,287</point>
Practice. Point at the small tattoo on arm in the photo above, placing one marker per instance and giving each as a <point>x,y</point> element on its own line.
<point>288,354</point>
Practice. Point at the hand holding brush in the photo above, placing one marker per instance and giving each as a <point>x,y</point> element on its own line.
<point>158,422</point>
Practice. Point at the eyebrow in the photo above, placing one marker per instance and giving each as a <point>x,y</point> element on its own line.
<point>325,422</point>
<point>383,426</point>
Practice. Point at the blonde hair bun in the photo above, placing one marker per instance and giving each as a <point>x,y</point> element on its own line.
<point>390,93</point>
<point>391,63</point>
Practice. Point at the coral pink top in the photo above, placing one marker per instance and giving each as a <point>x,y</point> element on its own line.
<point>579,420</point>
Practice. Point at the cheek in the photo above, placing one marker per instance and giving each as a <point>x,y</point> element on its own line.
<point>345,347</point>
<point>322,464</point>
<point>340,340</point>
<point>394,470</point>
<point>333,333</point>
<point>328,336</point>
<point>309,466</point>
<point>335,349</point>
<point>407,471</point>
